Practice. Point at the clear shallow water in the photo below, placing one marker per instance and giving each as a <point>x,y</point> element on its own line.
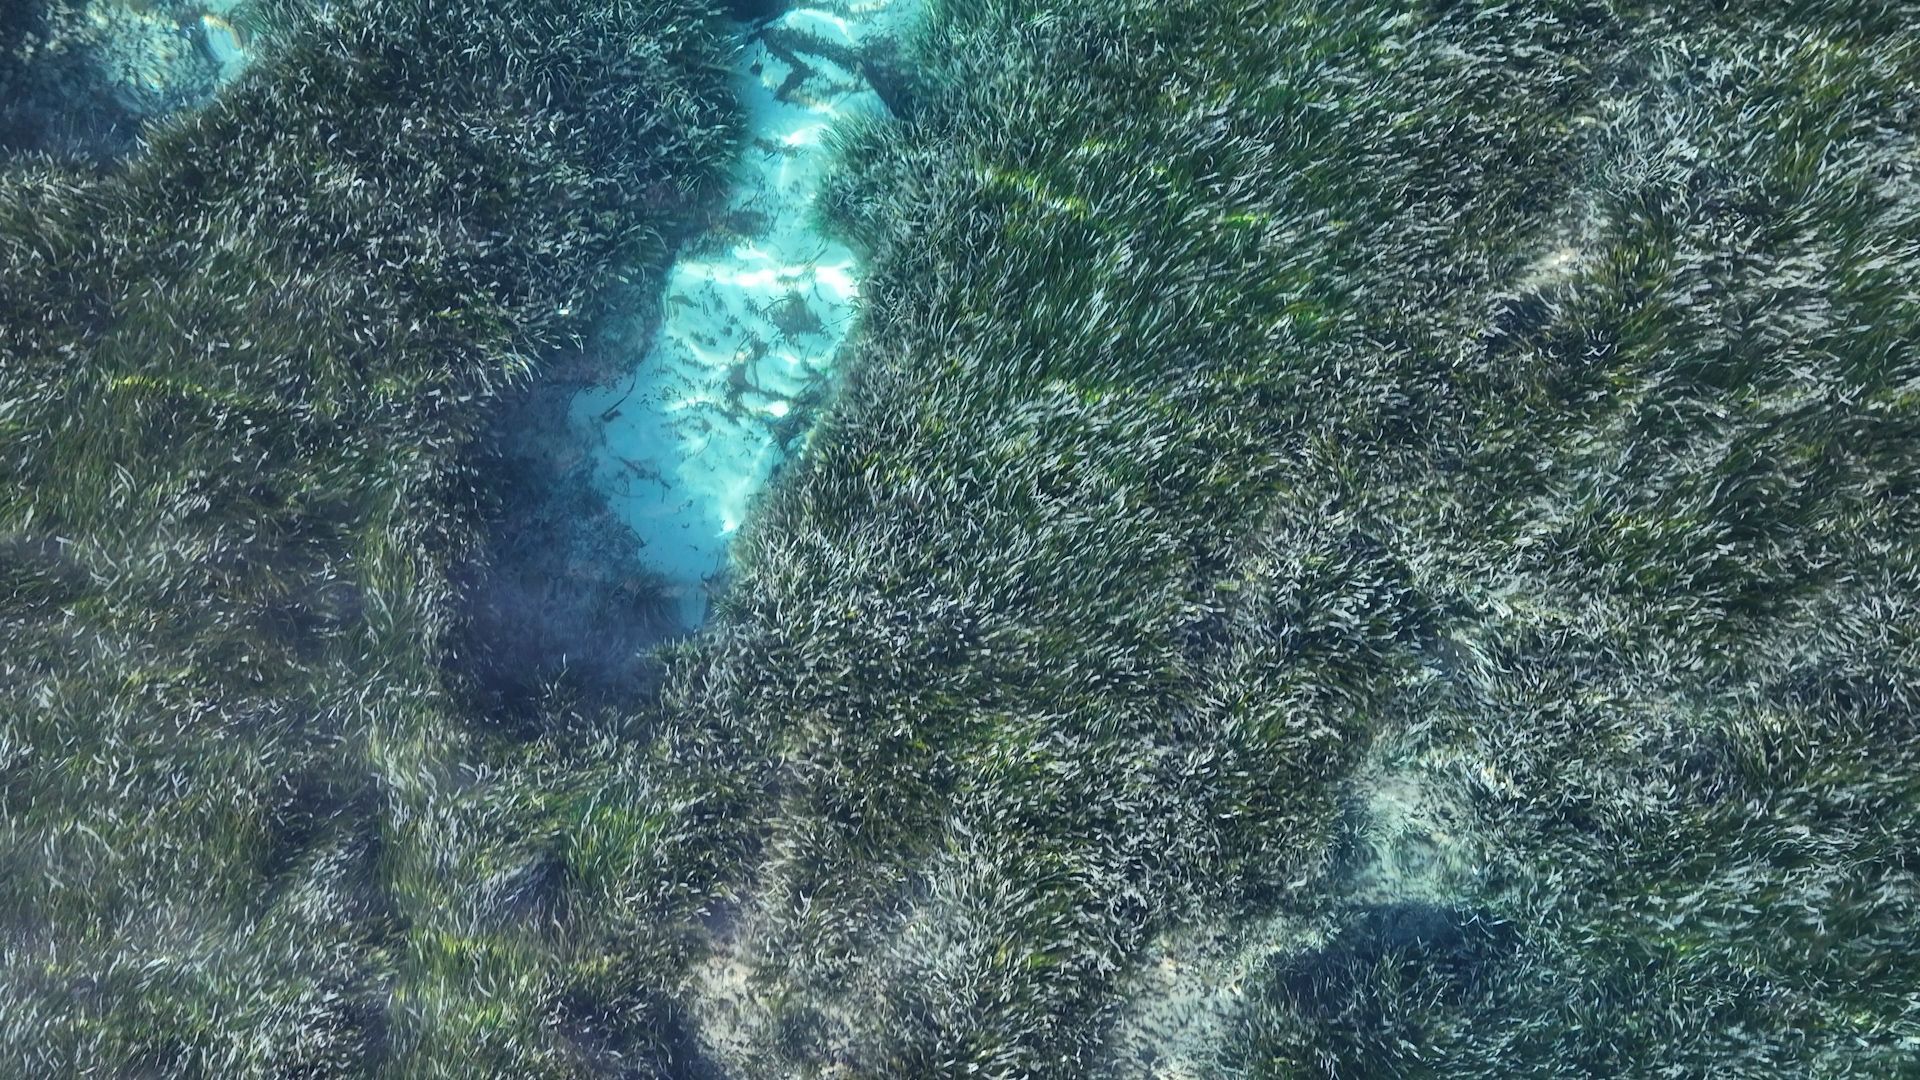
<point>752,314</point>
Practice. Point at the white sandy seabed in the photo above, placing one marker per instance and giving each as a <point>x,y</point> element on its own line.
<point>750,325</point>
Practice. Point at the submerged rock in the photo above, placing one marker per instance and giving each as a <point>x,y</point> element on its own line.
<point>80,79</point>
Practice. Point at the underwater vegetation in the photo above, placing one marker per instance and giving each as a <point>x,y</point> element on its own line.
<point>1355,538</point>
<point>236,378</point>
<point>1401,512</point>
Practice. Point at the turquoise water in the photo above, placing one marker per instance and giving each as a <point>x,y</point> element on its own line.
<point>753,313</point>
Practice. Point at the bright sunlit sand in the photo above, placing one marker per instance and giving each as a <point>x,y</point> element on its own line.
<point>688,437</point>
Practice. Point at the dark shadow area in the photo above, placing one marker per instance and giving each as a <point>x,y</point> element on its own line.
<point>754,12</point>
<point>1383,995</point>
<point>556,599</point>
<point>645,1037</point>
<point>49,100</point>
<point>901,86</point>
<point>1444,949</point>
<point>82,80</point>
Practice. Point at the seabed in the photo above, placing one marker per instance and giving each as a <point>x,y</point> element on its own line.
<point>751,317</point>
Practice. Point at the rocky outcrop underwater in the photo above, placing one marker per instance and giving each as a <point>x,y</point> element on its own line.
<point>78,78</point>
<point>1342,539</point>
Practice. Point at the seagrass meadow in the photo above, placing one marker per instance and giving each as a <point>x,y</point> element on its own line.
<point>245,810</point>
<point>1353,539</point>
